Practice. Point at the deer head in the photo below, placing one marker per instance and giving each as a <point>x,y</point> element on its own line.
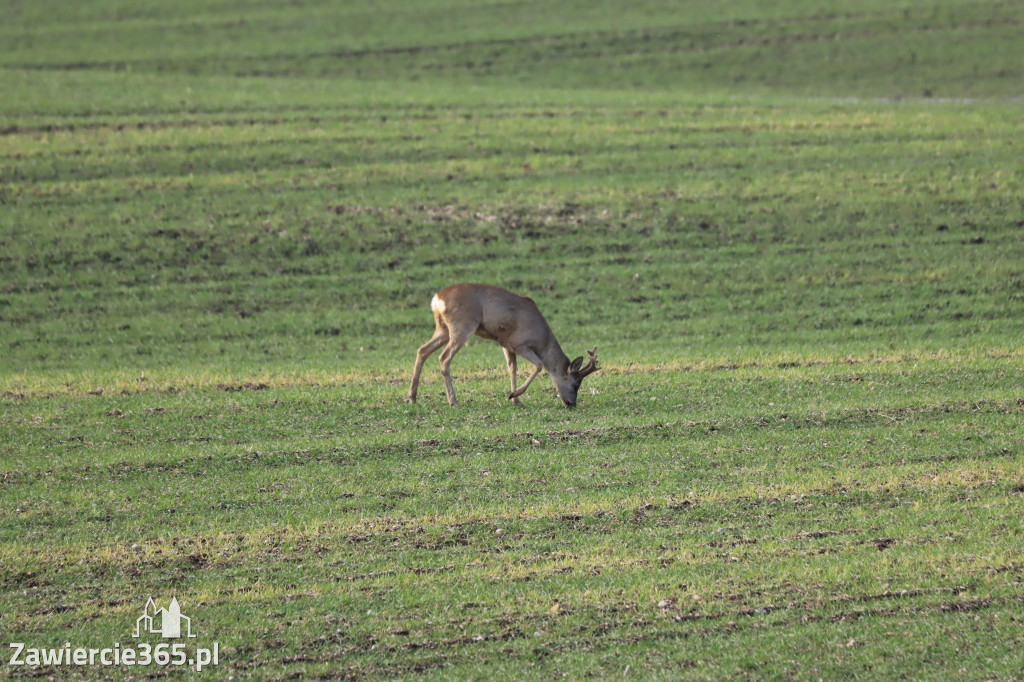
<point>569,385</point>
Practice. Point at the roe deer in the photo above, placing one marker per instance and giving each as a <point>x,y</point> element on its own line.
<point>514,323</point>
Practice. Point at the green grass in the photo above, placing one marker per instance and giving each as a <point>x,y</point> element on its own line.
<point>794,232</point>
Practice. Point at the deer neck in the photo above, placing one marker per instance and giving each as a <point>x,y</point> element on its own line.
<point>555,361</point>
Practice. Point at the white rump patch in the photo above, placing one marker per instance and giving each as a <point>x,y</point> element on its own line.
<point>437,305</point>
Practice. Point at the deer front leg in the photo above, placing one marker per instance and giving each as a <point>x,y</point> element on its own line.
<point>510,360</point>
<point>538,366</point>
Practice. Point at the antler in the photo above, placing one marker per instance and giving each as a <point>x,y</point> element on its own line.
<point>591,365</point>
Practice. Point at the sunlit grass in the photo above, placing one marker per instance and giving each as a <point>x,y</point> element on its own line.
<point>793,232</point>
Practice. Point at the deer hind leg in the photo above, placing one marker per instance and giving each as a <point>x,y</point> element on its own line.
<point>510,360</point>
<point>538,366</point>
<point>426,350</point>
<point>457,339</point>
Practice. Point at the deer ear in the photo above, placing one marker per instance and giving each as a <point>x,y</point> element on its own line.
<point>575,366</point>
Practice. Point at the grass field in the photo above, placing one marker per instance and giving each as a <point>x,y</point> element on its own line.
<point>795,230</point>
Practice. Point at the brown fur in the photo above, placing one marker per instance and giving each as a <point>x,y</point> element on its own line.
<point>514,322</point>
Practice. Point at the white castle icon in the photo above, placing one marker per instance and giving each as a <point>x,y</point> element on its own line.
<point>165,622</point>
